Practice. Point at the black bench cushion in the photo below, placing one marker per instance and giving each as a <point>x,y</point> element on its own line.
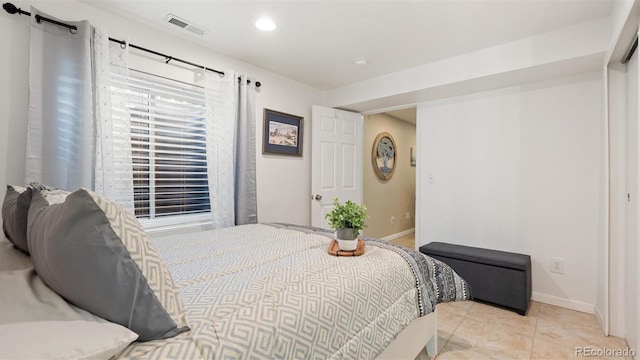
<point>478,255</point>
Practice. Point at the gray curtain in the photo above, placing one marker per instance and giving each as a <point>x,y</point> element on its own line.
<point>59,137</point>
<point>246,204</point>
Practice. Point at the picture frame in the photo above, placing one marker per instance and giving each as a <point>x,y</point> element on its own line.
<point>282,133</point>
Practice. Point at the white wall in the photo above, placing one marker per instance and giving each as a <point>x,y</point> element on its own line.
<point>277,92</point>
<point>518,169</point>
<point>13,103</point>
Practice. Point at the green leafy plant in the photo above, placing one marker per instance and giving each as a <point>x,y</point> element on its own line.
<point>347,216</point>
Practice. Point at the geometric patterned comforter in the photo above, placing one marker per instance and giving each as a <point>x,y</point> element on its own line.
<point>271,291</point>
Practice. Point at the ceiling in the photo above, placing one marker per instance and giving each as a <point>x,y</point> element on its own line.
<point>316,42</point>
<point>408,114</point>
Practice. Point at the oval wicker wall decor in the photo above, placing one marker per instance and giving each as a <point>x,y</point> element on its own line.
<point>383,156</point>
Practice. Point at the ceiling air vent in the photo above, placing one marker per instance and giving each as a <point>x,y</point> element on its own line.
<point>184,24</point>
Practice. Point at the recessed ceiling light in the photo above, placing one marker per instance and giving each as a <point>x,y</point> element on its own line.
<point>265,24</point>
<point>360,61</point>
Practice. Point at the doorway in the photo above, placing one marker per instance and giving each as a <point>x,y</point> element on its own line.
<point>390,199</point>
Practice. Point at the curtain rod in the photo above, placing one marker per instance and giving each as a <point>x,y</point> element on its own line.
<point>630,50</point>
<point>12,9</point>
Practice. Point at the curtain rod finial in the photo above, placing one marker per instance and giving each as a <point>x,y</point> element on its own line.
<point>12,9</point>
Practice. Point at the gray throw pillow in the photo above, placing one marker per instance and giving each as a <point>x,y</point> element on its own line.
<point>95,254</point>
<point>15,209</point>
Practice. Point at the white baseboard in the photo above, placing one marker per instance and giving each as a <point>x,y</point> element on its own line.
<point>398,235</point>
<point>600,320</point>
<point>563,302</point>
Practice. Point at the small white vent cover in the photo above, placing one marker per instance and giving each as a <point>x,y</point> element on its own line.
<point>184,24</point>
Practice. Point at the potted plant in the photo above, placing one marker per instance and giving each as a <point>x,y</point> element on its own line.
<point>347,220</point>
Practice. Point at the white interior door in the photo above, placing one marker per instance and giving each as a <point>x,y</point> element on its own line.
<point>336,160</point>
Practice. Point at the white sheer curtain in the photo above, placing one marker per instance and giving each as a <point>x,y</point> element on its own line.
<point>113,170</point>
<point>74,139</point>
<point>220,123</point>
<point>59,130</point>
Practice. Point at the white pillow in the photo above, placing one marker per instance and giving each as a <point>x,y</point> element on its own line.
<point>37,323</point>
<point>63,340</point>
<point>12,258</point>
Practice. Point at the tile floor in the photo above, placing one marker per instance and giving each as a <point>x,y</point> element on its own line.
<point>406,241</point>
<point>471,330</point>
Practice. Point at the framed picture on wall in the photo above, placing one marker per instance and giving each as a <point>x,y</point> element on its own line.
<point>282,133</point>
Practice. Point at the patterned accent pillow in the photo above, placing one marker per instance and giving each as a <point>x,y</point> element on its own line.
<point>95,254</point>
<point>15,209</point>
<point>52,194</point>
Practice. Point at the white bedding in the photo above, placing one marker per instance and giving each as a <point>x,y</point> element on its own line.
<point>258,291</point>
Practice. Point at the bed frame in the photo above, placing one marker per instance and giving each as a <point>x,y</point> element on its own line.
<point>421,333</point>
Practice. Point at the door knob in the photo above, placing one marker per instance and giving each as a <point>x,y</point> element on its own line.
<point>318,197</point>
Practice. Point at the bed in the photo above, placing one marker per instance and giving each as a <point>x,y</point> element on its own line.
<point>81,272</point>
<point>272,291</point>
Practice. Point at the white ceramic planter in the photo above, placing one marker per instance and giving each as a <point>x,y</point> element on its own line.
<point>347,241</point>
<point>348,245</point>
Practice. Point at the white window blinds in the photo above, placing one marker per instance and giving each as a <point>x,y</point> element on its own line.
<point>168,140</point>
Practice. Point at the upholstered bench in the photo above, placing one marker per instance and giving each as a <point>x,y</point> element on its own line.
<point>496,277</point>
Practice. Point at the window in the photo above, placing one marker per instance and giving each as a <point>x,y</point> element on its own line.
<point>168,139</point>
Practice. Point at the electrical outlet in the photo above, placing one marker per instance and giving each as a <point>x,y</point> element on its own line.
<point>557,266</point>
<point>393,220</point>
<point>407,215</point>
